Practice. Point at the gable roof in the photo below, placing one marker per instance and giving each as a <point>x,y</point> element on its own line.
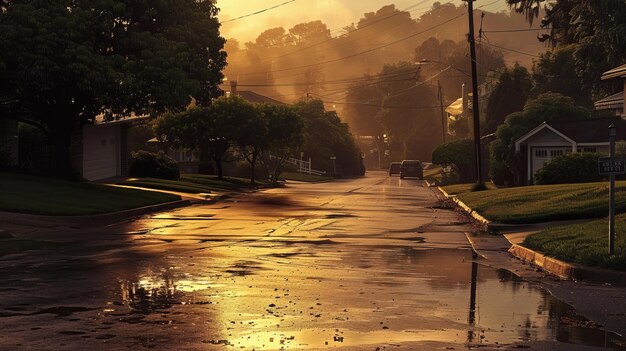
<point>587,131</point>
<point>591,130</point>
<point>619,71</point>
<point>615,101</point>
<point>536,130</point>
<point>253,97</point>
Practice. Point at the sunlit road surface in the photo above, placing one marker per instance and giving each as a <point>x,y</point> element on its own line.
<point>368,264</point>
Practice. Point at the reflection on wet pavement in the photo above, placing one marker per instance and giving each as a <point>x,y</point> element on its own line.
<point>313,281</point>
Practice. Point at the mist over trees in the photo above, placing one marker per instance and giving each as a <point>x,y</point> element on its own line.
<point>358,70</point>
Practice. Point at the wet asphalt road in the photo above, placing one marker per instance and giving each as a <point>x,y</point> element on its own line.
<point>375,263</point>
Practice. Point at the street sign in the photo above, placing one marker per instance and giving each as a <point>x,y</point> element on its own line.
<point>333,158</point>
<point>608,165</point>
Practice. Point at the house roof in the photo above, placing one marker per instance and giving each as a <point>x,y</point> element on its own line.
<point>101,121</point>
<point>591,130</point>
<point>587,131</point>
<point>257,98</point>
<point>615,101</point>
<point>619,71</point>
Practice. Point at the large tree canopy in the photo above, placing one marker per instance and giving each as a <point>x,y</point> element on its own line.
<point>597,28</point>
<point>68,62</point>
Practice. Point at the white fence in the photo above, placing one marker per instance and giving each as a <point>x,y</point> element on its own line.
<point>301,165</point>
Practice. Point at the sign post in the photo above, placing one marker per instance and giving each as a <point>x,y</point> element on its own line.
<point>334,167</point>
<point>612,166</point>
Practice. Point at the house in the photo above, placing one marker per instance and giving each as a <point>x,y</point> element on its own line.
<point>552,139</point>
<point>104,152</point>
<point>615,102</point>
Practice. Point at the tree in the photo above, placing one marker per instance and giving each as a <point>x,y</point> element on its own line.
<point>509,95</point>
<point>285,132</point>
<point>68,62</point>
<point>251,135</point>
<point>408,113</point>
<point>555,72</point>
<point>458,154</point>
<point>597,28</point>
<point>210,130</point>
<point>545,108</point>
<point>326,136</point>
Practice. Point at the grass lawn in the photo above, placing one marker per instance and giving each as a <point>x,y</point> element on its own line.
<point>584,243</point>
<point>456,189</point>
<point>193,183</point>
<point>45,196</point>
<point>303,177</point>
<point>544,203</point>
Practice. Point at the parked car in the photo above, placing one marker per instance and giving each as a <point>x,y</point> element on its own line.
<point>394,168</point>
<point>411,168</point>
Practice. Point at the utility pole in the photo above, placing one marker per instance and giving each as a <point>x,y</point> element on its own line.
<point>612,134</point>
<point>443,120</point>
<point>479,175</point>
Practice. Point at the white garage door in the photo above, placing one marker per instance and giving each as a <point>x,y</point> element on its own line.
<point>543,155</point>
<point>100,152</point>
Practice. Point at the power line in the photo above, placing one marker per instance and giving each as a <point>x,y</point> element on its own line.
<point>257,12</point>
<point>515,30</point>
<point>511,50</point>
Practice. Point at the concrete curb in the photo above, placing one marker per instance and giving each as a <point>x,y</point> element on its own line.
<point>553,266</point>
<point>566,270</point>
<point>482,220</point>
<point>22,218</point>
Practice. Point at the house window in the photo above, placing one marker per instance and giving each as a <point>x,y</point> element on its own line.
<point>541,153</point>
<point>556,153</point>
<point>589,149</point>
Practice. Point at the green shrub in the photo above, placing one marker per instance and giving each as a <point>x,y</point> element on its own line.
<point>571,168</point>
<point>458,154</point>
<point>147,164</point>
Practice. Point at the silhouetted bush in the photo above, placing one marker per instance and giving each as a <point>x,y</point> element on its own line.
<point>458,154</point>
<point>571,168</point>
<point>147,164</point>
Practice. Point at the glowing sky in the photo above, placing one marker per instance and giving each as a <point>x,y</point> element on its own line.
<point>335,13</point>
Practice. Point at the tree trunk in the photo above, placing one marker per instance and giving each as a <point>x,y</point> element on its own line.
<point>252,167</point>
<point>61,140</point>
<point>218,167</point>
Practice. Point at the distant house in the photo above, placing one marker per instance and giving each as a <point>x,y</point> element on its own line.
<point>549,140</point>
<point>251,96</point>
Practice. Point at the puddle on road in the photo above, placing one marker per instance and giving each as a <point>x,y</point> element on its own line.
<point>378,296</point>
<point>308,296</point>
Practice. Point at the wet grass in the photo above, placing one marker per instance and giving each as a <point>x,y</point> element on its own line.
<point>303,177</point>
<point>45,196</point>
<point>583,243</point>
<point>544,203</point>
